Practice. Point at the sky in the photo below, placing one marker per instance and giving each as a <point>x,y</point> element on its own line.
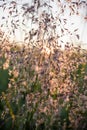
<point>73,22</point>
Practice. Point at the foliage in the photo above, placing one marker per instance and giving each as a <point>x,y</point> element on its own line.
<point>46,88</point>
<point>41,86</point>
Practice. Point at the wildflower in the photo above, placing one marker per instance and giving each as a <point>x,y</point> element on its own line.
<point>24,83</point>
<point>15,73</point>
<point>85,78</point>
<point>6,65</point>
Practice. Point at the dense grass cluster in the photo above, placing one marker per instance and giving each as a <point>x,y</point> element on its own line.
<point>43,87</point>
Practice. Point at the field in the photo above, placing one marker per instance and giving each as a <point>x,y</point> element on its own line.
<point>43,87</point>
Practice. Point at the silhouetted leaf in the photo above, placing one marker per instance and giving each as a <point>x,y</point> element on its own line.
<point>13,2</point>
<point>77,36</point>
<point>76,30</point>
<point>3,17</point>
<point>85,17</point>
<point>62,30</point>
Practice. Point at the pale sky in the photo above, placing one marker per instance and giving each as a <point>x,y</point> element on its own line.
<point>73,21</point>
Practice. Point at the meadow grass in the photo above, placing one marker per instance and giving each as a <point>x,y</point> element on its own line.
<point>43,87</point>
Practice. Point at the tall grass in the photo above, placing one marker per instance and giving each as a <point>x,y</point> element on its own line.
<point>43,88</point>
